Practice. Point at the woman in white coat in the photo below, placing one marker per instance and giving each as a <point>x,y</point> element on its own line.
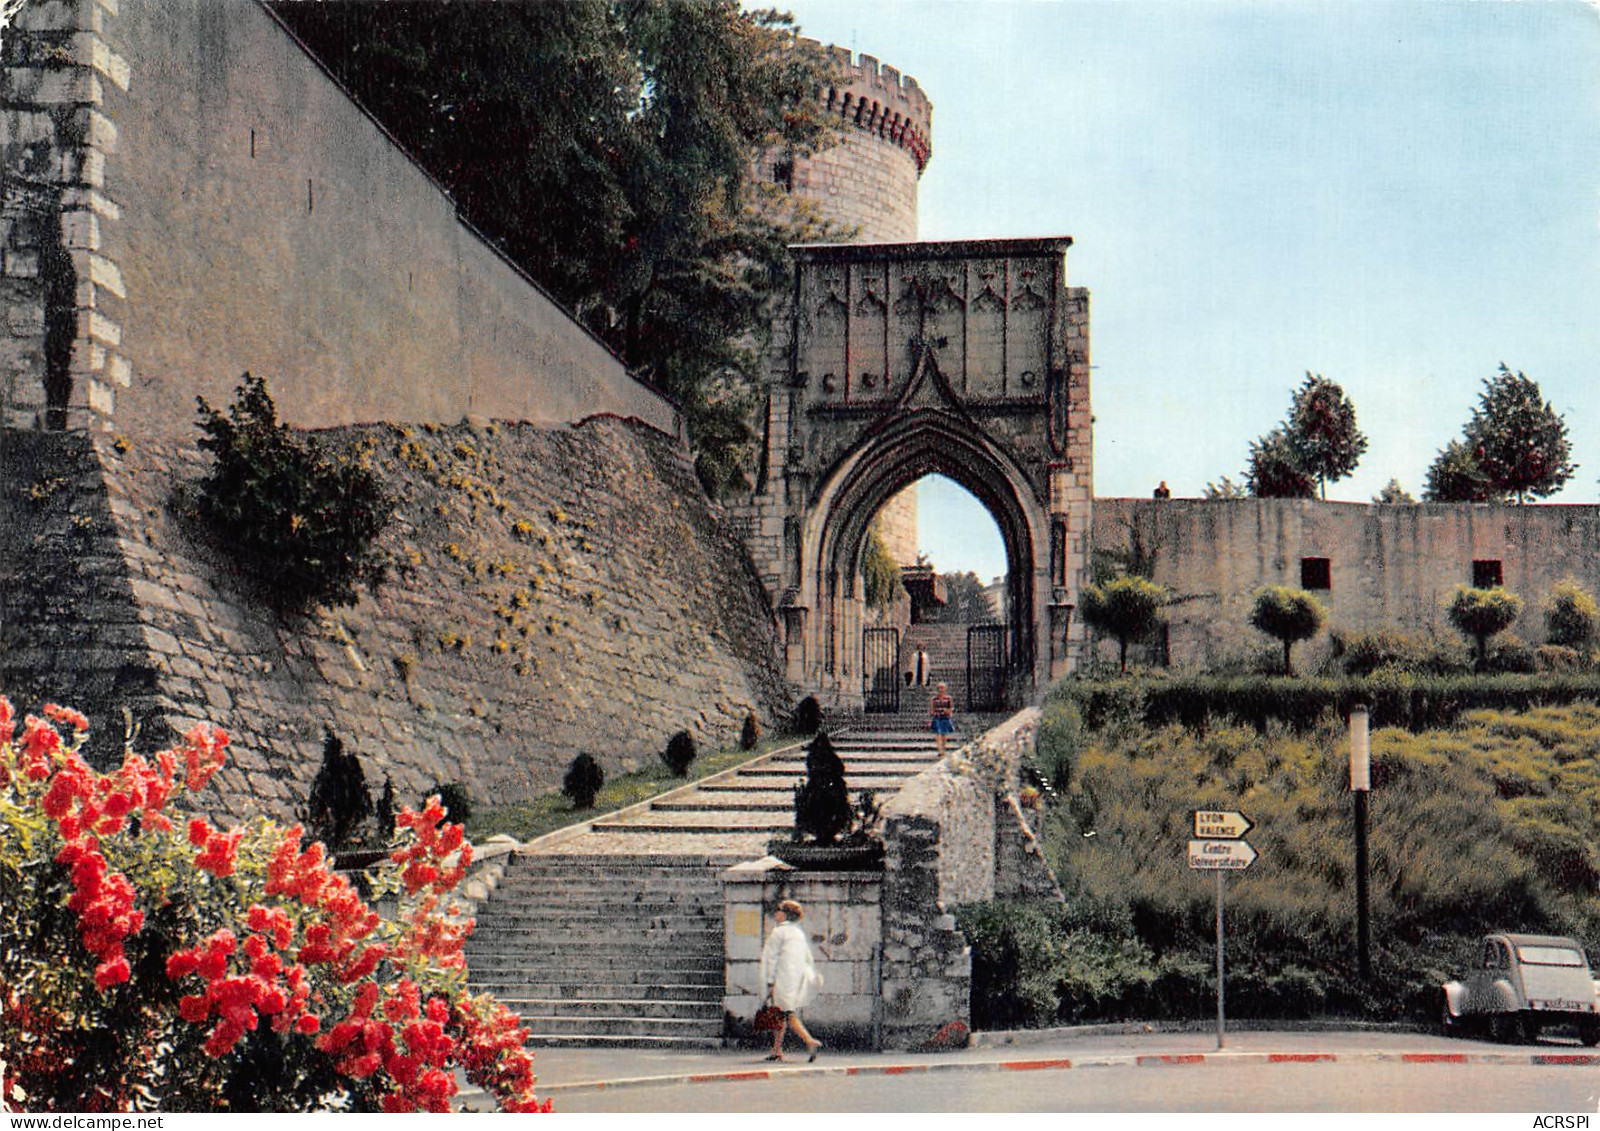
<point>790,975</point>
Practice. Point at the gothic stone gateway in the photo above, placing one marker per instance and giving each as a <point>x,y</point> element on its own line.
<point>894,361</point>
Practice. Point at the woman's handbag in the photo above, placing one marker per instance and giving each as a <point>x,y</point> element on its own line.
<point>769,1019</point>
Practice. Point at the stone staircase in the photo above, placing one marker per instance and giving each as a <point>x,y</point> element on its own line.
<point>614,937</point>
<point>946,646</point>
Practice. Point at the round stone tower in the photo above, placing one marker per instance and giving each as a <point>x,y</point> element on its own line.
<point>868,181</point>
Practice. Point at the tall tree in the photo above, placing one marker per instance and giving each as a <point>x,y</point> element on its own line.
<point>1394,495</point>
<point>1321,431</point>
<point>606,146</point>
<point>1455,477</point>
<point>1274,472</point>
<point>1519,441</point>
<point>965,601</point>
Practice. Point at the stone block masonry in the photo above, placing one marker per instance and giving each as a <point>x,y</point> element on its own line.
<point>1385,567</point>
<point>551,591</point>
<point>189,195</point>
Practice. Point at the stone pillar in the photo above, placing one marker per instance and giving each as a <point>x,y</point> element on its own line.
<point>843,924</point>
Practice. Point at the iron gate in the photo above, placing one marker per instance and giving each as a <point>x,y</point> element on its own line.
<point>880,668</point>
<point>986,667</point>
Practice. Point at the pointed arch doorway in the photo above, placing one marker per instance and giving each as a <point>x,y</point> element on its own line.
<point>895,361</point>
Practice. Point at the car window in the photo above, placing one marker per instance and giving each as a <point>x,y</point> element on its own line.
<point>1550,956</point>
<point>1505,957</point>
<point>1490,955</point>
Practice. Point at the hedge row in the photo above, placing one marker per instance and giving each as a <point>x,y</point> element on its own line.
<point>1412,702</point>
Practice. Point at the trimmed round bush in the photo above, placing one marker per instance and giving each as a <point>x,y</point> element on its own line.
<point>1126,607</point>
<point>822,807</point>
<point>456,800</point>
<point>1481,613</point>
<point>582,784</point>
<point>808,716</point>
<point>1289,616</point>
<point>680,753</point>
<point>1571,615</point>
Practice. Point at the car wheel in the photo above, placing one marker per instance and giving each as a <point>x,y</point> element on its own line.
<point>1589,1034</point>
<point>1505,1028</point>
<point>1530,1031</point>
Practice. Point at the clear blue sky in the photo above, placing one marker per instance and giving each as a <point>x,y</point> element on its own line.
<point>1396,195</point>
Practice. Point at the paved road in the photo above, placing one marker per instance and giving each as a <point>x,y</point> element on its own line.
<point>1173,1072</point>
<point>1247,1087</point>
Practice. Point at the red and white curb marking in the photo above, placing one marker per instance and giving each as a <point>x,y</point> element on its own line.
<point>1056,1064</point>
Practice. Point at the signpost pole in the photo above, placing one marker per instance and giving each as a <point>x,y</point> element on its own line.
<point>1221,1029</point>
<point>1360,786</point>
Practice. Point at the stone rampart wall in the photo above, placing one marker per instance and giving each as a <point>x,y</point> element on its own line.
<point>843,923</point>
<point>949,839</point>
<point>223,206</point>
<point>551,591</point>
<point>1389,567</point>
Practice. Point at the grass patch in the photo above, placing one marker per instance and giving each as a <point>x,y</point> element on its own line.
<point>1492,823</point>
<point>526,820</point>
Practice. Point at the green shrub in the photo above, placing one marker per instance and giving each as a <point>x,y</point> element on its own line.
<point>1481,613</point>
<point>1490,824</point>
<point>1126,607</point>
<point>1557,658</point>
<point>1061,735</point>
<point>1362,653</point>
<point>750,733</point>
<point>1396,698</point>
<point>583,780</point>
<point>1288,616</point>
<point>822,809</point>
<point>339,802</point>
<point>808,716</point>
<point>457,801</point>
<point>680,753</point>
<point>1571,615</point>
<point>305,524</point>
<point>1512,657</point>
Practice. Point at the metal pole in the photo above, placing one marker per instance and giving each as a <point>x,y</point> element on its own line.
<point>1363,918</point>
<point>1221,1026</point>
<point>1360,785</point>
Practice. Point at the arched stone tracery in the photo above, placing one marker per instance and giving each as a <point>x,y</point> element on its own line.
<point>977,370</point>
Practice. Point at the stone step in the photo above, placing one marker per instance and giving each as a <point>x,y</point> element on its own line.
<point>731,821</point>
<point>641,863</point>
<point>895,774</point>
<point>665,1044</point>
<point>610,949</point>
<point>623,1026</point>
<point>542,966</point>
<point>577,902</point>
<point>709,988</point>
<point>648,932</point>
<point>644,1009</point>
<point>721,803</point>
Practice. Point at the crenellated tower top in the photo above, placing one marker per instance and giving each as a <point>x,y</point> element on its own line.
<point>878,99</point>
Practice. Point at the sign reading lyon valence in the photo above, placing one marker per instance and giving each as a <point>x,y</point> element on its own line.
<point>1221,824</point>
<point>1221,855</point>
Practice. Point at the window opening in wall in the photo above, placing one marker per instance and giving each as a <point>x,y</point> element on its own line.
<point>252,144</point>
<point>1316,573</point>
<point>311,198</point>
<point>1486,573</point>
<point>783,173</point>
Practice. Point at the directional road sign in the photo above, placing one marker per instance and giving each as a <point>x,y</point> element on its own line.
<point>1221,824</point>
<point>1221,855</point>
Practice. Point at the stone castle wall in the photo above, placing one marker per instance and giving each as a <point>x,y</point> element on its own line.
<point>192,196</point>
<point>1388,566</point>
<point>868,182</point>
<point>551,591</point>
